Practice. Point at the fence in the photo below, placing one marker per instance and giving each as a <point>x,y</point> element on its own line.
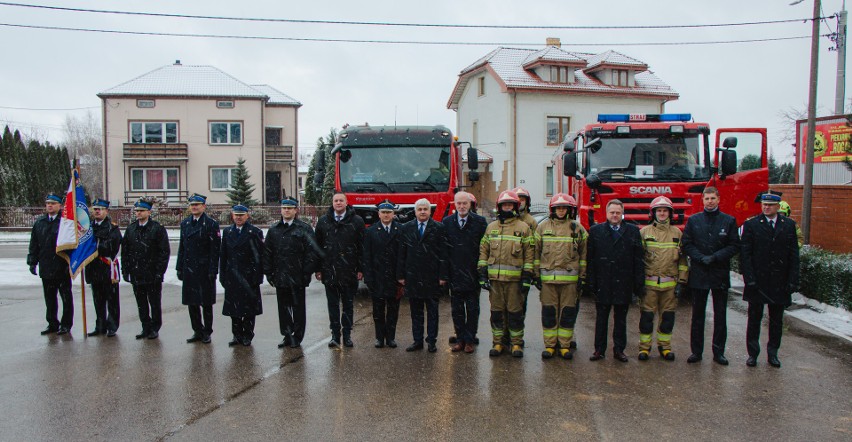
<point>24,217</point>
<point>830,208</point>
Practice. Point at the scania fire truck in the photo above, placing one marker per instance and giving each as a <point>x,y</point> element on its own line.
<point>401,164</point>
<point>637,157</point>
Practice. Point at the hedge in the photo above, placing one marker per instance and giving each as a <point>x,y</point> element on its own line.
<point>826,276</point>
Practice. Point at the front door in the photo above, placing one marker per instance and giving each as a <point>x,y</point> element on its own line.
<point>739,192</point>
<point>273,187</point>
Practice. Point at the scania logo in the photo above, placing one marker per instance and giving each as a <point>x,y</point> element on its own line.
<point>650,189</point>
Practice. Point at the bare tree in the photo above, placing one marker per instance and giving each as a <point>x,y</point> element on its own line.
<point>84,142</point>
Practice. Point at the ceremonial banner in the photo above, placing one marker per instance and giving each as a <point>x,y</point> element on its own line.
<point>75,241</point>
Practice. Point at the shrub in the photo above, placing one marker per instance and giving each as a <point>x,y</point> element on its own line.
<point>826,276</point>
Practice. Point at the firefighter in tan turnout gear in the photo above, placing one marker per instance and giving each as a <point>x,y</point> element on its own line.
<point>665,274</point>
<point>505,264</point>
<point>560,262</point>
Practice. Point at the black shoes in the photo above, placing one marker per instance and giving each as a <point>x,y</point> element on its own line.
<point>111,334</point>
<point>720,359</point>
<point>335,342</point>
<point>774,361</point>
<point>205,339</point>
<point>751,361</point>
<point>48,331</point>
<point>643,355</point>
<point>194,338</point>
<point>391,343</point>
<point>380,343</point>
<point>62,331</point>
<point>620,356</point>
<point>415,346</point>
<point>432,347</point>
<point>596,356</point>
<point>693,358</point>
<point>153,335</point>
<point>347,342</point>
<point>237,341</point>
<point>142,335</point>
<point>94,332</point>
<point>453,339</point>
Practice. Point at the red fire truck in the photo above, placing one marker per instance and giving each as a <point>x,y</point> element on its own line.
<point>402,164</point>
<point>637,157</point>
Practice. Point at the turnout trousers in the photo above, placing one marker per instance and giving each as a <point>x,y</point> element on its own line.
<point>664,303</point>
<point>507,311</point>
<point>558,314</point>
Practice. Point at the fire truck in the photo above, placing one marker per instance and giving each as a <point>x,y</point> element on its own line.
<point>637,157</point>
<point>401,164</point>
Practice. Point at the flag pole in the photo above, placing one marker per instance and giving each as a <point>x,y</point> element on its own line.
<point>83,272</point>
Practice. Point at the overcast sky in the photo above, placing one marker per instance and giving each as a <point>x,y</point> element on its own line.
<point>725,85</point>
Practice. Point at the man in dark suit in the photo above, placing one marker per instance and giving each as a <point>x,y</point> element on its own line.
<point>381,243</point>
<point>52,268</point>
<point>241,273</point>
<point>710,240</point>
<point>101,272</point>
<point>616,273</point>
<point>198,266</point>
<point>464,232</point>
<point>770,267</point>
<point>422,269</point>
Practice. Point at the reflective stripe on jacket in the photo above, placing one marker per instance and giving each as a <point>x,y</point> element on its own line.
<point>506,250</point>
<point>560,252</point>
<point>665,264</point>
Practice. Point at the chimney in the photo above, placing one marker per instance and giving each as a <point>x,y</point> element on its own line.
<point>553,41</point>
<point>177,62</point>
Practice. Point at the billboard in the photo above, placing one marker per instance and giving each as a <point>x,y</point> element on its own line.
<point>832,142</point>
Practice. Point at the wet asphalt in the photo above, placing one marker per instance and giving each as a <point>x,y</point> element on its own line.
<point>75,388</point>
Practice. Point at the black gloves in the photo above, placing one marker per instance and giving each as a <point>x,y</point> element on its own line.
<point>485,284</point>
<point>680,290</point>
<point>483,278</point>
<point>526,282</point>
<point>537,283</point>
<point>33,270</point>
<point>707,260</point>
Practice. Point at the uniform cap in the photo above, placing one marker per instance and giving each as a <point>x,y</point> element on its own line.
<point>142,205</point>
<point>770,198</point>
<point>385,205</point>
<point>100,203</point>
<point>239,209</point>
<point>289,202</point>
<point>197,199</point>
<point>52,197</point>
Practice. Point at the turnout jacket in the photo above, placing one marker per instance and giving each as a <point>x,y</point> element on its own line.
<point>42,250</point>
<point>145,252</point>
<point>290,255</point>
<point>108,237</point>
<point>241,270</point>
<point>769,260</point>
<point>198,259</point>
<point>507,250</point>
<point>341,244</point>
<point>464,250</point>
<point>422,261</point>
<point>379,259</point>
<point>665,264</point>
<point>710,234</point>
<point>616,269</point>
<point>560,251</point>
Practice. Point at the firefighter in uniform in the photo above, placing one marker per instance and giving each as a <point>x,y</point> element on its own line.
<point>560,262</point>
<point>505,263</point>
<point>524,215</point>
<point>665,279</point>
<point>102,273</point>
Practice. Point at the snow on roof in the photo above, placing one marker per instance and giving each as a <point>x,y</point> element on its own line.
<point>508,64</point>
<point>276,96</point>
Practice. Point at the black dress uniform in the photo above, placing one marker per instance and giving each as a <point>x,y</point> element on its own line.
<point>144,258</point>
<point>241,273</point>
<point>99,273</point>
<point>197,266</point>
<point>770,266</point>
<point>379,260</point>
<point>53,270</point>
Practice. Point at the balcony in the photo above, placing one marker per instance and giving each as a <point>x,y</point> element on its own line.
<point>155,152</point>
<point>279,154</point>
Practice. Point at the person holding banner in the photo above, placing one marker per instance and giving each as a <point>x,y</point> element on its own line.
<point>52,268</point>
<point>145,255</point>
<point>102,273</point>
<point>198,267</point>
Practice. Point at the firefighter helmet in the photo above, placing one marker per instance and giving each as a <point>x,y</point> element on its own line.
<point>563,200</point>
<point>508,196</point>
<point>523,194</point>
<point>659,203</point>
<point>785,208</point>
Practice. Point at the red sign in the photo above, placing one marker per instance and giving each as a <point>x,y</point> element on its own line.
<point>833,143</point>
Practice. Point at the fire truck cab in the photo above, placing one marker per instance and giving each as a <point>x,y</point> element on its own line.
<point>637,157</point>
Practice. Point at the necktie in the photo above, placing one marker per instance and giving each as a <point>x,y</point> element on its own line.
<point>337,218</point>
<point>387,229</point>
<point>422,226</point>
<point>772,224</point>
<point>194,222</point>
<point>461,223</point>
<point>239,231</point>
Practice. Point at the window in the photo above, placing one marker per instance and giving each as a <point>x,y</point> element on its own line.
<point>145,104</point>
<point>481,82</point>
<point>619,77</point>
<point>301,185</point>
<point>222,178</point>
<point>225,104</point>
<point>154,179</point>
<point>559,74</point>
<point>273,136</point>
<point>226,133</point>
<point>557,128</point>
<point>153,132</point>
<point>548,181</point>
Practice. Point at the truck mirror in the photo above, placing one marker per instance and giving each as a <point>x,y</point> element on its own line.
<point>345,155</point>
<point>729,143</point>
<point>473,176</point>
<point>472,158</point>
<point>729,160</point>
<point>594,145</point>
<point>593,181</point>
<point>569,164</point>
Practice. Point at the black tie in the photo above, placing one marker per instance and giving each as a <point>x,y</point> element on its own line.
<point>772,224</point>
<point>387,229</point>
<point>194,222</point>
<point>422,226</point>
<point>462,223</point>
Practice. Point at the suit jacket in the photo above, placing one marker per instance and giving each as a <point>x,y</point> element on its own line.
<point>379,259</point>
<point>422,262</point>
<point>463,253</point>
<point>616,264</point>
<point>769,260</point>
<point>710,234</point>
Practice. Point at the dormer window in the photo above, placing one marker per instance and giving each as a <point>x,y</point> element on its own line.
<point>619,77</point>
<point>559,74</point>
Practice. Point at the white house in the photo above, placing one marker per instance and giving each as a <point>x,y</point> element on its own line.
<point>518,104</point>
<point>180,129</point>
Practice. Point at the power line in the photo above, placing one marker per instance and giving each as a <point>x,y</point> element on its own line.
<point>420,25</point>
<point>400,42</point>
<point>49,109</point>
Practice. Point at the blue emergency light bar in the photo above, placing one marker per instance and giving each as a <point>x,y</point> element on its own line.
<point>642,118</point>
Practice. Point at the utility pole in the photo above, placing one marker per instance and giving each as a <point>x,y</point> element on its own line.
<point>840,47</point>
<point>807,192</point>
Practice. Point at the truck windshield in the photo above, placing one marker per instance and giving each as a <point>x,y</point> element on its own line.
<point>396,169</point>
<point>650,158</point>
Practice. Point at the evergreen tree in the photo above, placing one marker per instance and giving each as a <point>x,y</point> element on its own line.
<point>241,188</point>
<point>749,162</point>
<point>322,196</point>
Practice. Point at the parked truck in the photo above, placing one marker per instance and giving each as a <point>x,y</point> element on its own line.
<point>637,157</point>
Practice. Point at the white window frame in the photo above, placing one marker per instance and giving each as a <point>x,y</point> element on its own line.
<point>163,125</point>
<point>227,132</point>
<point>620,77</point>
<point>231,171</point>
<point>561,136</point>
<point>145,178</point>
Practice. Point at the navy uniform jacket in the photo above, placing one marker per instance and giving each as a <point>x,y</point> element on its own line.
<point>769,260</point>
<point>710,234</point>
<point>241,270</point>
<point>379,259</point>
<point>43,249</point>
<point>108,237</point>
<point>198,259</point>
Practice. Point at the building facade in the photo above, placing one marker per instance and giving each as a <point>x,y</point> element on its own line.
<point>519,104</point>
<point>180,129</point>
